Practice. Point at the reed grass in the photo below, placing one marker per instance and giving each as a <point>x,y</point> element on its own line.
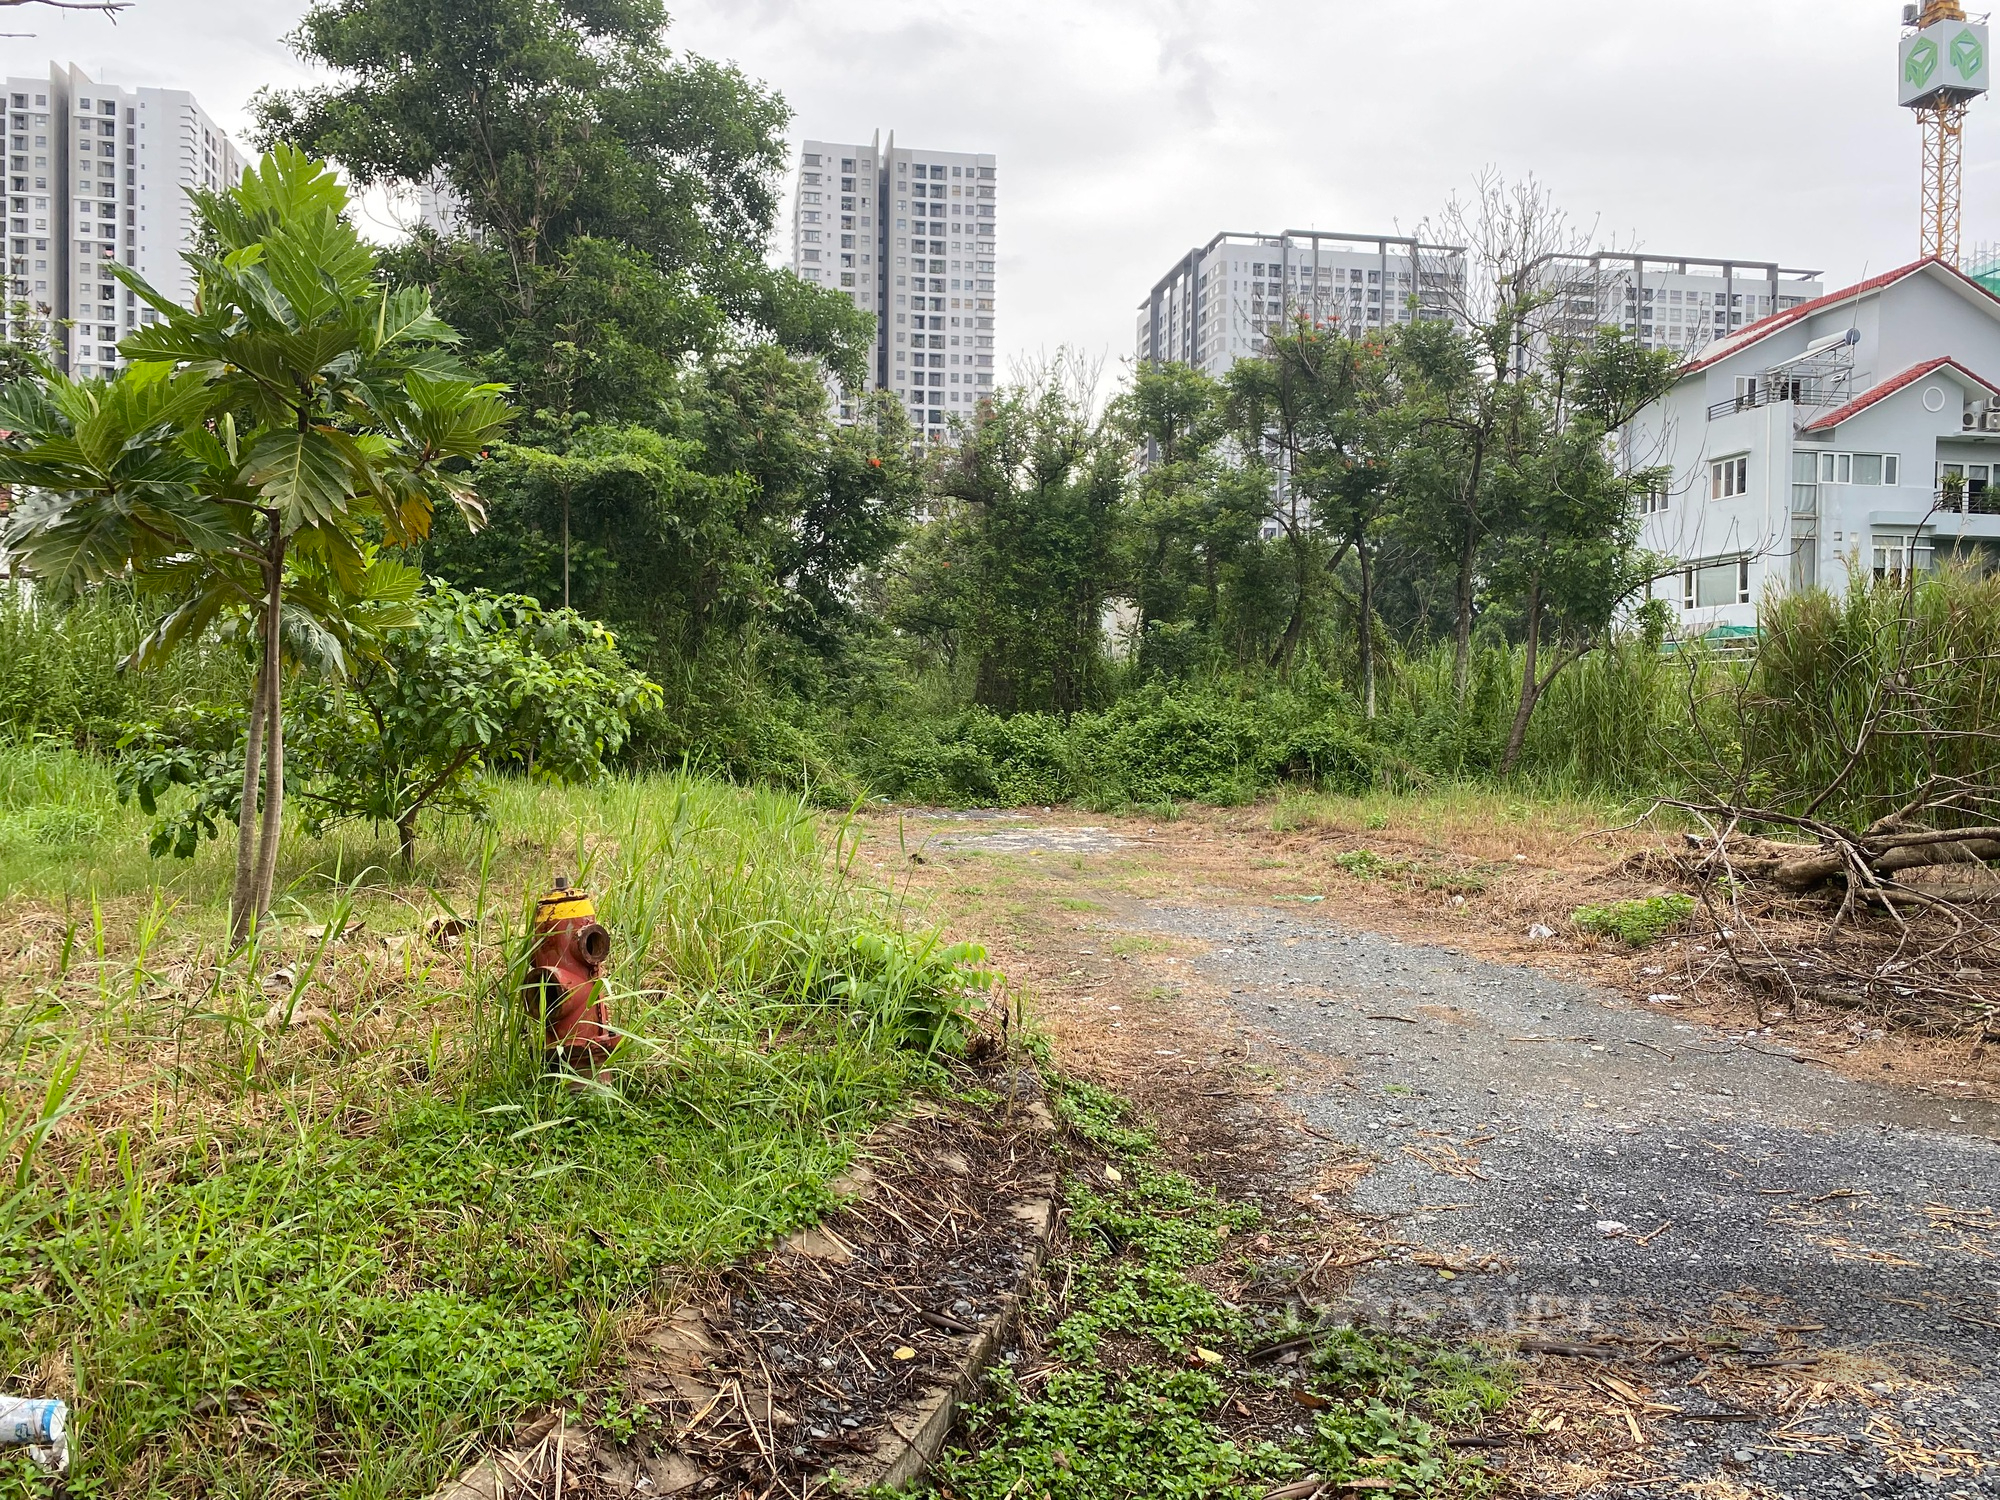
<point>1908,678</point>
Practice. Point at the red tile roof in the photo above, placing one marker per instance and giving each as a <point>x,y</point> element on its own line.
<point>1892,385</point>
<point>1762,329</point>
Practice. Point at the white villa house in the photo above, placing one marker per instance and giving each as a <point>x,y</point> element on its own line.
<point>1812,446</point>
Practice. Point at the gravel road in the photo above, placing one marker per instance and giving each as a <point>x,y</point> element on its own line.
<point>1752,1227</point>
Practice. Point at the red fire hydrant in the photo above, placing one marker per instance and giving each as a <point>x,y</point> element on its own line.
<point>563,985</point>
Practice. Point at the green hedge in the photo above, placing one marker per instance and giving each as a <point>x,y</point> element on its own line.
<point>1152,746</point>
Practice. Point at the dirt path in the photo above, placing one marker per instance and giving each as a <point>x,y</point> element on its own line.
<point>1786,1277</point>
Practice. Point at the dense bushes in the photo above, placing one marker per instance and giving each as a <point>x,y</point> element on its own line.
<point>1152,746</point>
<point>1638,717</point>
<point>1918,670</point>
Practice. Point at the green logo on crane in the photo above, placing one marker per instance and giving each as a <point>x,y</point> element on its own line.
<point>1967,56</point>
<point>1922,62</point>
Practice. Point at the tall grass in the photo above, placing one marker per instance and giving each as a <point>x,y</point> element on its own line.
<point>1909,678</point>
<point>59,672</point>
<point>319,1223</point>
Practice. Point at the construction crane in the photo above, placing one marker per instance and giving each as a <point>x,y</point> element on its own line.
<point>1942,66</point>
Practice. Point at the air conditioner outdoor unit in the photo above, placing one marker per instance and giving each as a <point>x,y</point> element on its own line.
<point>1971,418</point>
<point>1993,420</point>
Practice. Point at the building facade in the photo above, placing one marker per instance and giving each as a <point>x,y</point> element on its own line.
<point>1221,302</point>
<point>911,236</point>
<point>1852,436</point>
<point>1677,302</point>
<point>98,173</point>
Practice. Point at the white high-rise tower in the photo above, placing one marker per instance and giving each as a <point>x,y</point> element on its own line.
<point>99,173</point>
<point>910,235</point>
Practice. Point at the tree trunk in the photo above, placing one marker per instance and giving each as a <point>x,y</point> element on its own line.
<point>1461,634</point>
<point>1468,559</point>
<point>406,839</point>
<point>1531,688</point>
<point>1367,631</point>
<point>242,893</point>
<point>1296,626</point>
<point>1801,867</point>
<point>274,725</point>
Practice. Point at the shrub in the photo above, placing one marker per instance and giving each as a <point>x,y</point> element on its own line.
<point>975,758</point>
<point>477,682</point>
<point>1636,923</point>
<point>1154,747</point>
<point>1330,755</point>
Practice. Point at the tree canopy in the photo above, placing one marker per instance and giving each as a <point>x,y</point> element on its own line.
<point>607,202</point>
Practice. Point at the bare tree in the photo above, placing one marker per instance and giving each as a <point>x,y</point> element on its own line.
<point>1508,298</point>
<point>103,7</point>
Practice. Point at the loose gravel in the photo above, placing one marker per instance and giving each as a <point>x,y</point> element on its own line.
<point>1629,1175</point>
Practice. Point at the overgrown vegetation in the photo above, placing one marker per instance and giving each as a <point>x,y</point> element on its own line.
<point>1147,1386</point>
<point>318,1219</point>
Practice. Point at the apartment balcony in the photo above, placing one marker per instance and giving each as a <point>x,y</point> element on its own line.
<point>1806,395</point>
<point>1981,500</point>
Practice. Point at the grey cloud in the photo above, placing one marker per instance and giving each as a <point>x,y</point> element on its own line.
<point>1129,130</point>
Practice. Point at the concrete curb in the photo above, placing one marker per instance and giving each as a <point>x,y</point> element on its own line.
<point>916,1431</point>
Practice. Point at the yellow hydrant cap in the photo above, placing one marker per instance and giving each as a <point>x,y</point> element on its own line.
<point>560,905</point>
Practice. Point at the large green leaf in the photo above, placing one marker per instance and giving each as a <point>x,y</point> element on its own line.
<point>302,475</point>
<point>318,267</point>
<point>406,317</point>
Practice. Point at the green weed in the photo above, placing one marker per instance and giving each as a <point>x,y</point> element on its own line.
<point>1100,1117</point>
<point>331,1258</point>
<point>1086,1435</point>
<point>1637,922</point>
<point>1140,1238</point>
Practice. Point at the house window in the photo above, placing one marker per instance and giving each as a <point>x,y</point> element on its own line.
<point>1729,477</point>
<point>1861,468</point>
<point>1654,501</point>
<point>1977,478</point>
<point>1900,554</point>
<point>1714,585</point>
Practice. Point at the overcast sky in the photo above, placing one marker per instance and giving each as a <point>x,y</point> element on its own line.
<point>1129,131</point>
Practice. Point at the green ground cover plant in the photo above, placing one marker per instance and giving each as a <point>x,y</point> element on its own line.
<point>1148,1362</point>
<point>1638,922</point>
<point>321,1220</point>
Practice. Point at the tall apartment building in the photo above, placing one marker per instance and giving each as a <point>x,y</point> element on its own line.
<point>1671,301</point>
<point>1221,302</point>
<point>910,236</point>
<point>97,173</point>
